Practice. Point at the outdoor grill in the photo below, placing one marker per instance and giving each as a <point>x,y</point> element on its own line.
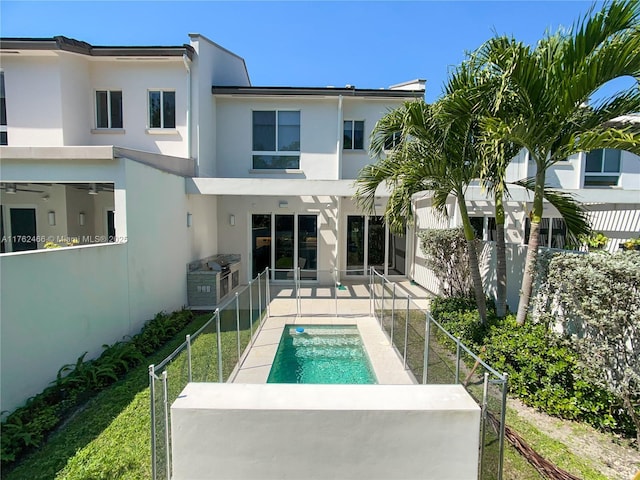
<point>211,279</point>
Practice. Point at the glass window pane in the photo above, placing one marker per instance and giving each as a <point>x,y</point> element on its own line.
<point>478,226</point>
<point>600,180</point>
<point>375,257</point>
<point>264,131</point>
<point>3,138</point>
<point>169,109</point>
<point>278,162</point>
<point>594,161</point>
<point>308,246</point>
<point>358,135</point>
<point>491,227</point>
<point>102,115</point>
<point>558,233</point>
<point>611,161</point>
<point>116,109</point>
<point>396,262</point>
<point>284,247</point>
<point>261,245</point>
<point>289,131</point>
<point>347,138</point>
<point>154,110</point>
<point>355,245</point>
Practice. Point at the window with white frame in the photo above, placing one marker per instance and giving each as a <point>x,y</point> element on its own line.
<point>108,109</point>
<point>162,109</point>
<point>552,233</point>
<point>602,168</point>
<point>392,141</point>
<point>3,112</point>
<point>353,135</point>
<point>276,139</point>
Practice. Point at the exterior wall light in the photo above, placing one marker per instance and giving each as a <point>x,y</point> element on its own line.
<point>232,220</point>
<point>189,219</point>
<point>283,204</point>
<point>52,218</point>
<point>81,218</point>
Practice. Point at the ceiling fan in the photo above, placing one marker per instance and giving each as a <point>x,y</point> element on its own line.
<point>11,188</point>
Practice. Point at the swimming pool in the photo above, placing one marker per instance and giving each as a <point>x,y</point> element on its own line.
<point>321,354</point>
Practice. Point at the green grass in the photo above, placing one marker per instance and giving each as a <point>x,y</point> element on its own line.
<point>442,370</point>
<point>110,437</point>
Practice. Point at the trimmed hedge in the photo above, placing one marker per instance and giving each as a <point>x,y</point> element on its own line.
<point>28,427</point>
<point>544,369</point>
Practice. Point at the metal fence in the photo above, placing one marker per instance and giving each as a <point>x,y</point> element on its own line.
<point>434,356</point>
<point>203,357</point>
<point>427,350</point>
<point>321,292</point>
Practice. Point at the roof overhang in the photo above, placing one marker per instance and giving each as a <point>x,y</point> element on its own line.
<point>184,167</point>
<point>316,92</point>
<point>65,44</point>
<point>274,187</point>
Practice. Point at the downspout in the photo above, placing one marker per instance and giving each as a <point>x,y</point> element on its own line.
<point>187,65</point>
<point>338,176</point>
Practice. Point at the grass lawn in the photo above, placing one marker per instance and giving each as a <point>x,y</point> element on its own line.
<point>110,437</point>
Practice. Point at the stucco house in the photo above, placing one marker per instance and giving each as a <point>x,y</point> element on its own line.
<point>138,161</point>
<point>141,160</point>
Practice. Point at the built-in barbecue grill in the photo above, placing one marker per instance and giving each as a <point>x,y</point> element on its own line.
<point>211,279</point>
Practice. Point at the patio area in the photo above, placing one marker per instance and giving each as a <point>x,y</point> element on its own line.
<point>349,304</point>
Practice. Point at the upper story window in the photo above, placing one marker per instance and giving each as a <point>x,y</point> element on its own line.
<point>353,137</point>
<point>3,112</point>
<point>276,139</point>
<point>108,109</point>
<point>602,168</point>
<point>162,109</point>
<point>393,141</point>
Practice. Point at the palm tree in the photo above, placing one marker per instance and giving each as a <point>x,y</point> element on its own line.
<point>435,155</point>
<point>548,88</point>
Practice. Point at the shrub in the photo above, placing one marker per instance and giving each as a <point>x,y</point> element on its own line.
<point>28,426</point>
<point>446,255</point>
<point>544,369</point>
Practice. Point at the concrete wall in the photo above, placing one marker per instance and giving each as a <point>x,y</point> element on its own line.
<point>34,107</point>
<point>135,79</point>
<point>275,431</point>
<point>321,130</point>
<point>55,305</point>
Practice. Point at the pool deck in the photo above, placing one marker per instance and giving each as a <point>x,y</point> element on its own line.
<point>318,307</point>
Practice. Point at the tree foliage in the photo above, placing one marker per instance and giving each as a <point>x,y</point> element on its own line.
<point>596,299</point>
<point>446,256</point>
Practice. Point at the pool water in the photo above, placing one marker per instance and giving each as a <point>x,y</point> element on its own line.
<point>321,354</point>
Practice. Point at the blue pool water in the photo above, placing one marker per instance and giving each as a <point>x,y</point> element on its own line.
<point>321,354</point>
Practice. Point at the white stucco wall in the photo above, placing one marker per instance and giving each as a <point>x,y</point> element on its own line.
<point>135,79</point>
<point>275,431</point>
<point>77,99</point>
<point>158,242</point>
<point>55,305</point>
<point>33,95</point>
<point>369,111</point>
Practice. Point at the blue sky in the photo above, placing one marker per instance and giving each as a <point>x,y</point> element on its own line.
<point>363,43</point>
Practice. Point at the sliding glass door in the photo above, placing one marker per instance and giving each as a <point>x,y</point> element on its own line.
<point>371,244</point>
<point>285,243</point>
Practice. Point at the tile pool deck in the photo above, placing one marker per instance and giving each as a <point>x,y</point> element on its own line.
<point>318,307</point>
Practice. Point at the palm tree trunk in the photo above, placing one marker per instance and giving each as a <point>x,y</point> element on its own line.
<point>501,259</point>
<point>474,265</point>
<point>532,250</point>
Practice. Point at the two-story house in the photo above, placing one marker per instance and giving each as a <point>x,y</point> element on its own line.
<point>139,160</point>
